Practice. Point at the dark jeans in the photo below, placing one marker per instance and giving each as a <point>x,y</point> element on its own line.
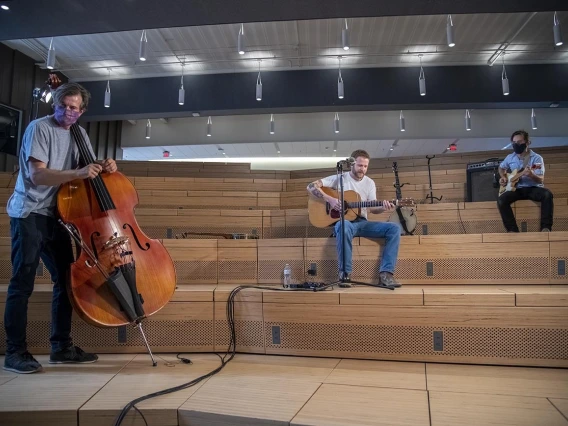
<point>32,237</point>
<point>534,193</point>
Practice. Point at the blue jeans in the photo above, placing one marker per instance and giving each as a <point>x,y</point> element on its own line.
<point>34,236</point>
<point>363,228</point>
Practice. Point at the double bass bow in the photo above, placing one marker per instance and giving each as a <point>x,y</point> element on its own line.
<point>120,276</point>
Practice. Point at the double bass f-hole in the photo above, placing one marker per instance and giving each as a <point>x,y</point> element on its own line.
<point>127,225</point>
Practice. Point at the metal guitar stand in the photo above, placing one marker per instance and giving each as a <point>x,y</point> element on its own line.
<point>431,195</point>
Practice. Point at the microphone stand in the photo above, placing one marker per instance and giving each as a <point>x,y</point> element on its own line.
<point>343,282</point>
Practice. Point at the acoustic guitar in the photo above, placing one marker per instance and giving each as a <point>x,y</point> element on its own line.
<point>514,177</point>
<point>321,214</point>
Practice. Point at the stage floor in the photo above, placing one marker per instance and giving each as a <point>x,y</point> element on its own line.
<point>279,390</point>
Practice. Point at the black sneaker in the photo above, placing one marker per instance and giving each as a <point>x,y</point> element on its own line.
<point>23,363</point>
<point>387,279</point>
<point>344,280</point>
<point>72,355</point>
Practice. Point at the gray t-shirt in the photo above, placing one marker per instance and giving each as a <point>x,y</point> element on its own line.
<point>51,144</point>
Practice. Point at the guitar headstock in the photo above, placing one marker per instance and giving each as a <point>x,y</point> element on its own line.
<point>404,202</point>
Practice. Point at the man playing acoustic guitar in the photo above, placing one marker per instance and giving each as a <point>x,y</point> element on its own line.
<point>525,184</point>
<point>356,180</point>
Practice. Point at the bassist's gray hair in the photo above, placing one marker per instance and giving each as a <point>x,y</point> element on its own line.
<point>71,89</point>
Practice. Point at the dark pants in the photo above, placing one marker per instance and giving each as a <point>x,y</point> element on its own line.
<point>32,237</point>
<point>534,193</point>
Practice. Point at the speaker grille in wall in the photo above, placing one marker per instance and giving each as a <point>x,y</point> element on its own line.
<point>551,344</point>
<point>249,335</point>
<point>182,334</point>
<point>193,271</point>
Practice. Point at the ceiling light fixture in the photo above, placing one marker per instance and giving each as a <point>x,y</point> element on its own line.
<point>402,122</point>
<point>533,120</point>
<point>209,125</point>
<point>340,90</point>
<point>241,40</point>
<point>345,36</point>
<point>107,91</point>
<point>259,84</point>
<point>50,63</point>
<point>272,124</point>
<point>450,31</point>
<point>143,45</point>
<point>336,123</point>
<point>148,129</point>
<point>421,79</point>
<point>181,91</point>
<point>556,30</point>
<point>467,120</point>
<point>504,79</point>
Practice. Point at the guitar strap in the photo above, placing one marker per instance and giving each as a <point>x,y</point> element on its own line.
<point>402,220</point>
<point>526,160</point>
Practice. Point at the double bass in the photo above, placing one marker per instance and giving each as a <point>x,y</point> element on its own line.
<point>120,275</point>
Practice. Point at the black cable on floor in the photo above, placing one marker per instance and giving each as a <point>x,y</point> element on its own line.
<point>225,359</point>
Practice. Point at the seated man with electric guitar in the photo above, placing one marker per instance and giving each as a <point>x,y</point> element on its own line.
<point>524,182</point>
<point>359,193</point>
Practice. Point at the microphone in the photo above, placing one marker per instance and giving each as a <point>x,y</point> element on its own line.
<point>347,162</point>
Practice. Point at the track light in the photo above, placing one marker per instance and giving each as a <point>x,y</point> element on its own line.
<point>336,123</point>
<point>504,79</point>
<point>450,31</point>
<point>467,120</point>
<point>557,33</point>
<point>272,124</point>
<point>181,91</point>
<point>143,45</point>
<point>107,92</point>
<point>402,122</point>
<point>209,125</point>
<point>533,120</point>
<point>5,7</point>
<point>345,36</point>
<point>241,40</point>
<point>340,89</point>
<point>50,63</point>
<point>148,129</point>
<point>422,79</point>
<point>43,95</point>
<point>258,85</point>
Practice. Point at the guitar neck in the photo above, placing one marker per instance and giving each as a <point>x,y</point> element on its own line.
<point>364,204</point>
<point>396,182</point>
<point>397,186</point>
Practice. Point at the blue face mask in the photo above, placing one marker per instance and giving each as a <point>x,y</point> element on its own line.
<point>519,148</point>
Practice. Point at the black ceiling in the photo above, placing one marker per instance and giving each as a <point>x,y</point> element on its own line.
<point>532,86</point>
<point>42,18</point>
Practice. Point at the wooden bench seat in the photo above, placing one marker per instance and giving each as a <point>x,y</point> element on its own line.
<point>496,324</point>
<point>424,259</point>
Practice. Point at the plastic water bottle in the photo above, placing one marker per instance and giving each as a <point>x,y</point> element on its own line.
<point>287,276</point>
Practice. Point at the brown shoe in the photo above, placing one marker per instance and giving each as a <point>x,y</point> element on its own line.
<point>386,278</point>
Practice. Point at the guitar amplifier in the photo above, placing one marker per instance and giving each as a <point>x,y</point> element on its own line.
<point>481,180</point>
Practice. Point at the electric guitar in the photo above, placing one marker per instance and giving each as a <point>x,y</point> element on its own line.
<point>321,214</point>
<point>514,177</point>
<point>403,215</point>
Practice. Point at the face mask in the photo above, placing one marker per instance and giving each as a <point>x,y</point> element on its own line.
<point>66,117</point>
<point>519,148</point>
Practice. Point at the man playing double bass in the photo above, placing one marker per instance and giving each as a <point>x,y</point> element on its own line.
<point>49,157</point>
